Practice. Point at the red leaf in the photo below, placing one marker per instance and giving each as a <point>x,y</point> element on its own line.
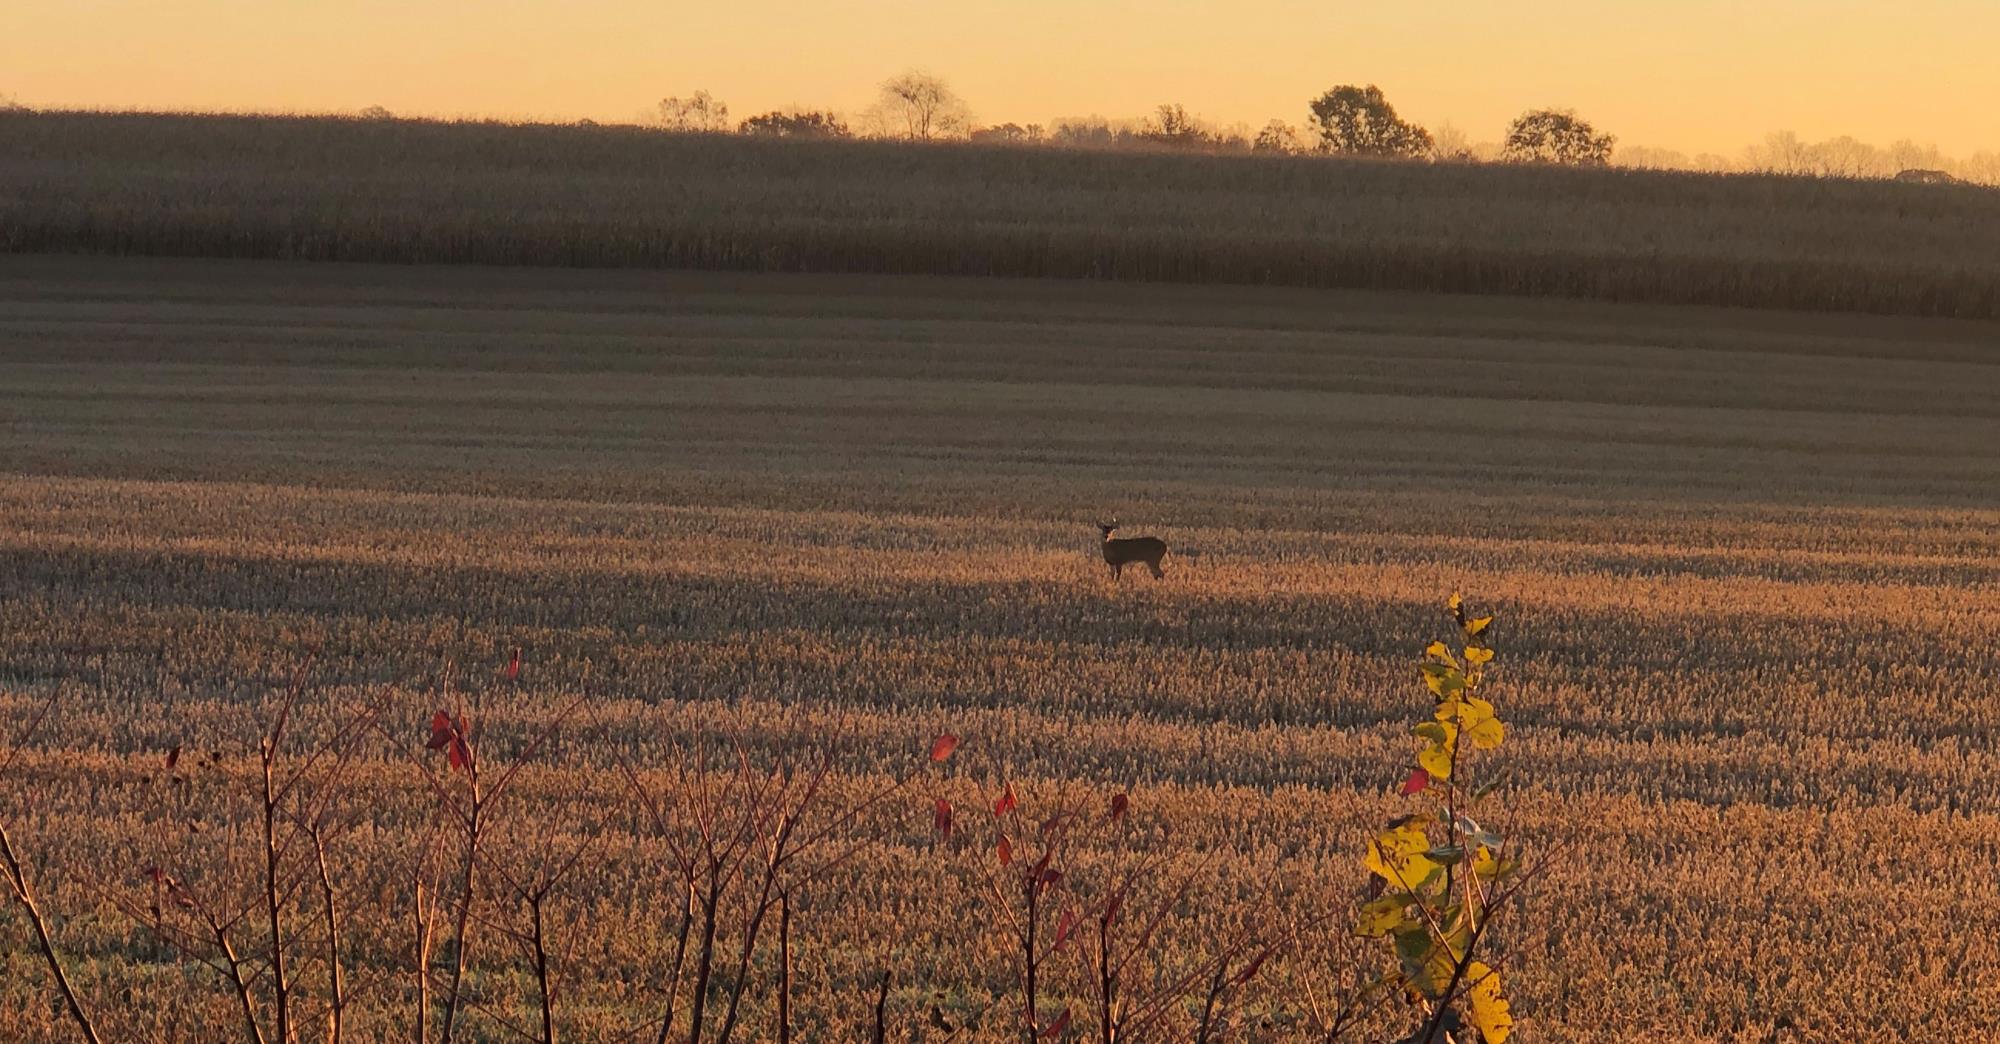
<point>514,664</point>
<point>440,732</point>
<point>1120,804</point>
<point>1065,925</point>
<point>173,756</point>
<point>1419,779</point>
<point>1250,972</point>
<point>154,874</point>
<point>1005,850</point>
<point>942,747</point>
<point>1006,803</point>
<point>460,755</point>
<point>1056,1028</point>
<point>941,817</point>
<point>1111,908</point>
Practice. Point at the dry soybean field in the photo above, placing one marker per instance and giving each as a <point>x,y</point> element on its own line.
<point>1746,568</point>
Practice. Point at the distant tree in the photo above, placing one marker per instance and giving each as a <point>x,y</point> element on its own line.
<point>807,124</point>
<point>1908,155</point>
<point>1450,145</point>
<point>1009,134</point>
<point>376,112</point>
<point>1556,136</point>
<point>698,113</point>
<point>1981,167</point>
<point>1781,153</point>
<point>1092,132</point>
<point>1848,157</point>
<point>1360,121</point>
<point>1646,157</point>
<point>1172,126</point>
<point>1277,136</point>
<point>8,104</point>
<point>921,107</point>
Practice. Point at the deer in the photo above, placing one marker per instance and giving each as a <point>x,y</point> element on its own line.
<point>1119,553</point>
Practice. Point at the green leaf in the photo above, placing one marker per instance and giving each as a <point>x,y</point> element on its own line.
<point>1384,916</point>
<point>1447,855</point>
<point>1444,679</point>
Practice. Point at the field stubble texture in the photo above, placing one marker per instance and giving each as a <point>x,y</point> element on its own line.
<point>1746,566</point>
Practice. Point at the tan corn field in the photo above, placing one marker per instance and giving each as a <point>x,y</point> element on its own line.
<point>489,193</point>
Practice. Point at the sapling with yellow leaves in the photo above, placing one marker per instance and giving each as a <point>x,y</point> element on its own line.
<point>1437,874</point>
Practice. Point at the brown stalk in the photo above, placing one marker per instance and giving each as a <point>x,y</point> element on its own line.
<point>547,997</point>
<point>882,1010</point>
<point>785,967</point>
<point>336,995</point>
<point>17,881</point>
<point>24,893</point>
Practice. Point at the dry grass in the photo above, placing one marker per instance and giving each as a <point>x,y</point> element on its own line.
<point>1746,565</point>
<point>400,191</point>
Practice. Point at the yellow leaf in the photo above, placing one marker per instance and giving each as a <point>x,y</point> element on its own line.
<point>1484,864</point>
<point>1455,603</point>
<point>1441,652</point>
<point>1398,855</point>
<point>1476,655</point>
<point>1487,734</point>
<point>1385,915</point>
<point>1474,717</point>
<point>1490,1012</point>
<point>1436,761</point>
<point>1474,628</point>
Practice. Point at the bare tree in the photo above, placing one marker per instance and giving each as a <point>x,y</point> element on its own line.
<point>698,113</point>
<point>1450,145</point>
<point>1781,153</point>
<point>1175,127</point>
<point>921,107</point>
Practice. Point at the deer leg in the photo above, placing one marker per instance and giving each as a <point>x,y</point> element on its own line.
<point>1158,573</point>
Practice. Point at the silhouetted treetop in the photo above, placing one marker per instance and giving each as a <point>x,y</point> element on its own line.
<point>921,107</point>
<point>1556,136</point>
<point>698,113</point>
<point>808,124</point>
<point>1360,121</point>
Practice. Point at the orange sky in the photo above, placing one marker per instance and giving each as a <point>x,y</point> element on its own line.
<point>1696,75</point>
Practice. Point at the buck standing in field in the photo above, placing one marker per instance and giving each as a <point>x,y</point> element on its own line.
<point>1118,553</point>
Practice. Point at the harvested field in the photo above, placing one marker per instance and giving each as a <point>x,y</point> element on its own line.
<point>1745,566</point>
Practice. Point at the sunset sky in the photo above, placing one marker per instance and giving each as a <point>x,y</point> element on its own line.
<point>1695,75</point>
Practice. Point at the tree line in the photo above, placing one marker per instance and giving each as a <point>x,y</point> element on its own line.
<point>1349,119</point>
